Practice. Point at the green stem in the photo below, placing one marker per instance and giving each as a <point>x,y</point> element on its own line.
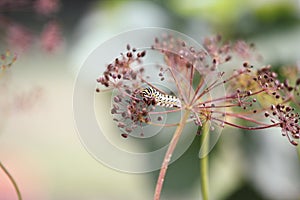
<point>204,162</point>
<point>168,155</point>
<point>298,151</point>
<point>12,181</point>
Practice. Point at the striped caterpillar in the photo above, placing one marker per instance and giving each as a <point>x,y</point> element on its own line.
<point>163,100</point>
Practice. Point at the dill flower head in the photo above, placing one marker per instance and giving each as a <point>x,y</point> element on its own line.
<point>168,83</point>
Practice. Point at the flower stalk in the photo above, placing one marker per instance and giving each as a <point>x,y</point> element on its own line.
<point>204,162</point>
<point>12,180</point>
<point>168,156</point>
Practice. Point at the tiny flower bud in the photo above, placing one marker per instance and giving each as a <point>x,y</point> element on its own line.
<point>294,142</point>
<point>272,107</point>
<point>245,64</point>
<point>121,125</point>
<point>128,47</point>
<point>128,130</point>
<point>113,111</point>
<point>188,65</point>
<point>129,54</point>
<point>227,58</point>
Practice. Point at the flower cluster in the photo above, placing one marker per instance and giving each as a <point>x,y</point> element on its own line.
<point>121,70</point>
<point>287,119</point>
<point>129,110</point>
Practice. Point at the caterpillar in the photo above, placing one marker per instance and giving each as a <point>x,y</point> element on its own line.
<point>163,100</point>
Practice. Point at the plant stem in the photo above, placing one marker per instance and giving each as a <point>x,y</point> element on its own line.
<point>204,162</point>
<point>168,155</point>
<point>298,151</point>
<point>12,181</point>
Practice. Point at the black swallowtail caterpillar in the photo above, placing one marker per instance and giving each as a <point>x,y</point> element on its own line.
<point>163,100</point>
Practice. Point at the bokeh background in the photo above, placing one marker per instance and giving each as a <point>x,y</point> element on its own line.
<point>52,38</point>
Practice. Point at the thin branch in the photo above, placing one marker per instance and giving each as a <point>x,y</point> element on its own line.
<point>164,112</point>
<point>163,125</point>
<point>12,181</point>
<point>242,117</point>
<point>246,127</point>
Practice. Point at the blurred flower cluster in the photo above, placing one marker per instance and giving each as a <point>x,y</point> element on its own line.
<point>7,60</point>
<point>19,36</point>
<point>11,99</point>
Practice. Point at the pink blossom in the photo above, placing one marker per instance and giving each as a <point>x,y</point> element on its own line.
<point>13,5</point>
<point>18,37</point>
<point>46,7</point>
<point>51,37</point>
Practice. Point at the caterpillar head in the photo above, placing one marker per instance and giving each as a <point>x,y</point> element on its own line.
<point>147,92</point>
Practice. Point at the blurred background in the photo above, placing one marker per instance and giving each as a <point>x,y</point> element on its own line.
<point>52,38</point>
